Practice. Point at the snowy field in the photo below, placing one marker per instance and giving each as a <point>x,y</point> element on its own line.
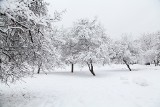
<point>113,86</point>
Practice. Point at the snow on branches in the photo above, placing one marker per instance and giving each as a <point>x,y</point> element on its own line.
<point>87,44</point>
<point>26,38</point>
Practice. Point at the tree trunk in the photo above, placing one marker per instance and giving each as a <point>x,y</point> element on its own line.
<point>0,64</point>
<point>39,68</point>
<point>90,66</point>
<point>92,71</point>
<point>155,63</point>
<point>127,65</point>
<point>72,68</point>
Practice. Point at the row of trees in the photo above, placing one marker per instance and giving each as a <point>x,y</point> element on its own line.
<point>87,43</point>
<point>145,50</point>
<point>28,40</point>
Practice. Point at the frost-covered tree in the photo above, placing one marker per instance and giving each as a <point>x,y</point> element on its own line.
<point>25,38</point>
<point>150,56</point>
<point>150,44</point>
<point>124,51</point>
<point>92,43</point>
<point>69,52</point>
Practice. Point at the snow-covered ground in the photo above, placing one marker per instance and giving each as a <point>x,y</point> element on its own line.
<point>113,86</point>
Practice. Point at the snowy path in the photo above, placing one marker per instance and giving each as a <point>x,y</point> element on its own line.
<point>112,87</point>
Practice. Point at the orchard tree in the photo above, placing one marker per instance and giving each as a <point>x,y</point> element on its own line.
<point>69,51</point>
<point>25,38</point>
<point>151,56</point>
<point>150,44</point>
<point>124,51</point>
<point>92,43</point>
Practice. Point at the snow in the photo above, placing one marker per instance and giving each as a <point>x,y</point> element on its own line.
<point>113,86</point>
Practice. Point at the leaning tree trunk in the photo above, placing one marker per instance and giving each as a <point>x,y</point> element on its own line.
<point>92,70</point>
<point>90,66</point>
<point>127,64</point>
<point>72,68</point>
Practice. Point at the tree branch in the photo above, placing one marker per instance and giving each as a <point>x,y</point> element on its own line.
<point>3,32</point>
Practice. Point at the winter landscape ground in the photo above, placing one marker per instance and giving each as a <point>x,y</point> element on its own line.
<point>120,33</point>
<point>113,86</point>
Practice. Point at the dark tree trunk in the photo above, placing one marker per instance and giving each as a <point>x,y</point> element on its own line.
<point>31,36</point>
<point>155,63</point>
<point>72,68</point>
<point>127,65</point>
<point>92,71</point>
<point>90,66</point>
<point>0,64</point>
<point>39,68</point>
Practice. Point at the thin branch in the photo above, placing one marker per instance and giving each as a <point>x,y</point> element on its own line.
<point>16,28</point>
<point>19,24</point>
<point>7,55</point>
<point>40,32</point>
<point>30,36</point>
<point>3,32</point>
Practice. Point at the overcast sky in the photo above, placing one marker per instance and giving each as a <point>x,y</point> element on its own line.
<point>117,16</point>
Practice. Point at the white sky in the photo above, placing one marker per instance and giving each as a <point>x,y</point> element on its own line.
<point>117,16</point>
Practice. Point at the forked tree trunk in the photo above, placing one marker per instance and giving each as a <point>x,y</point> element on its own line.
<point>127,65</point>
<point>72,68</point>
<point>90,66</point>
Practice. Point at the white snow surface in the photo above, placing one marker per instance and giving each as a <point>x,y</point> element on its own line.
<point>113,86</point>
